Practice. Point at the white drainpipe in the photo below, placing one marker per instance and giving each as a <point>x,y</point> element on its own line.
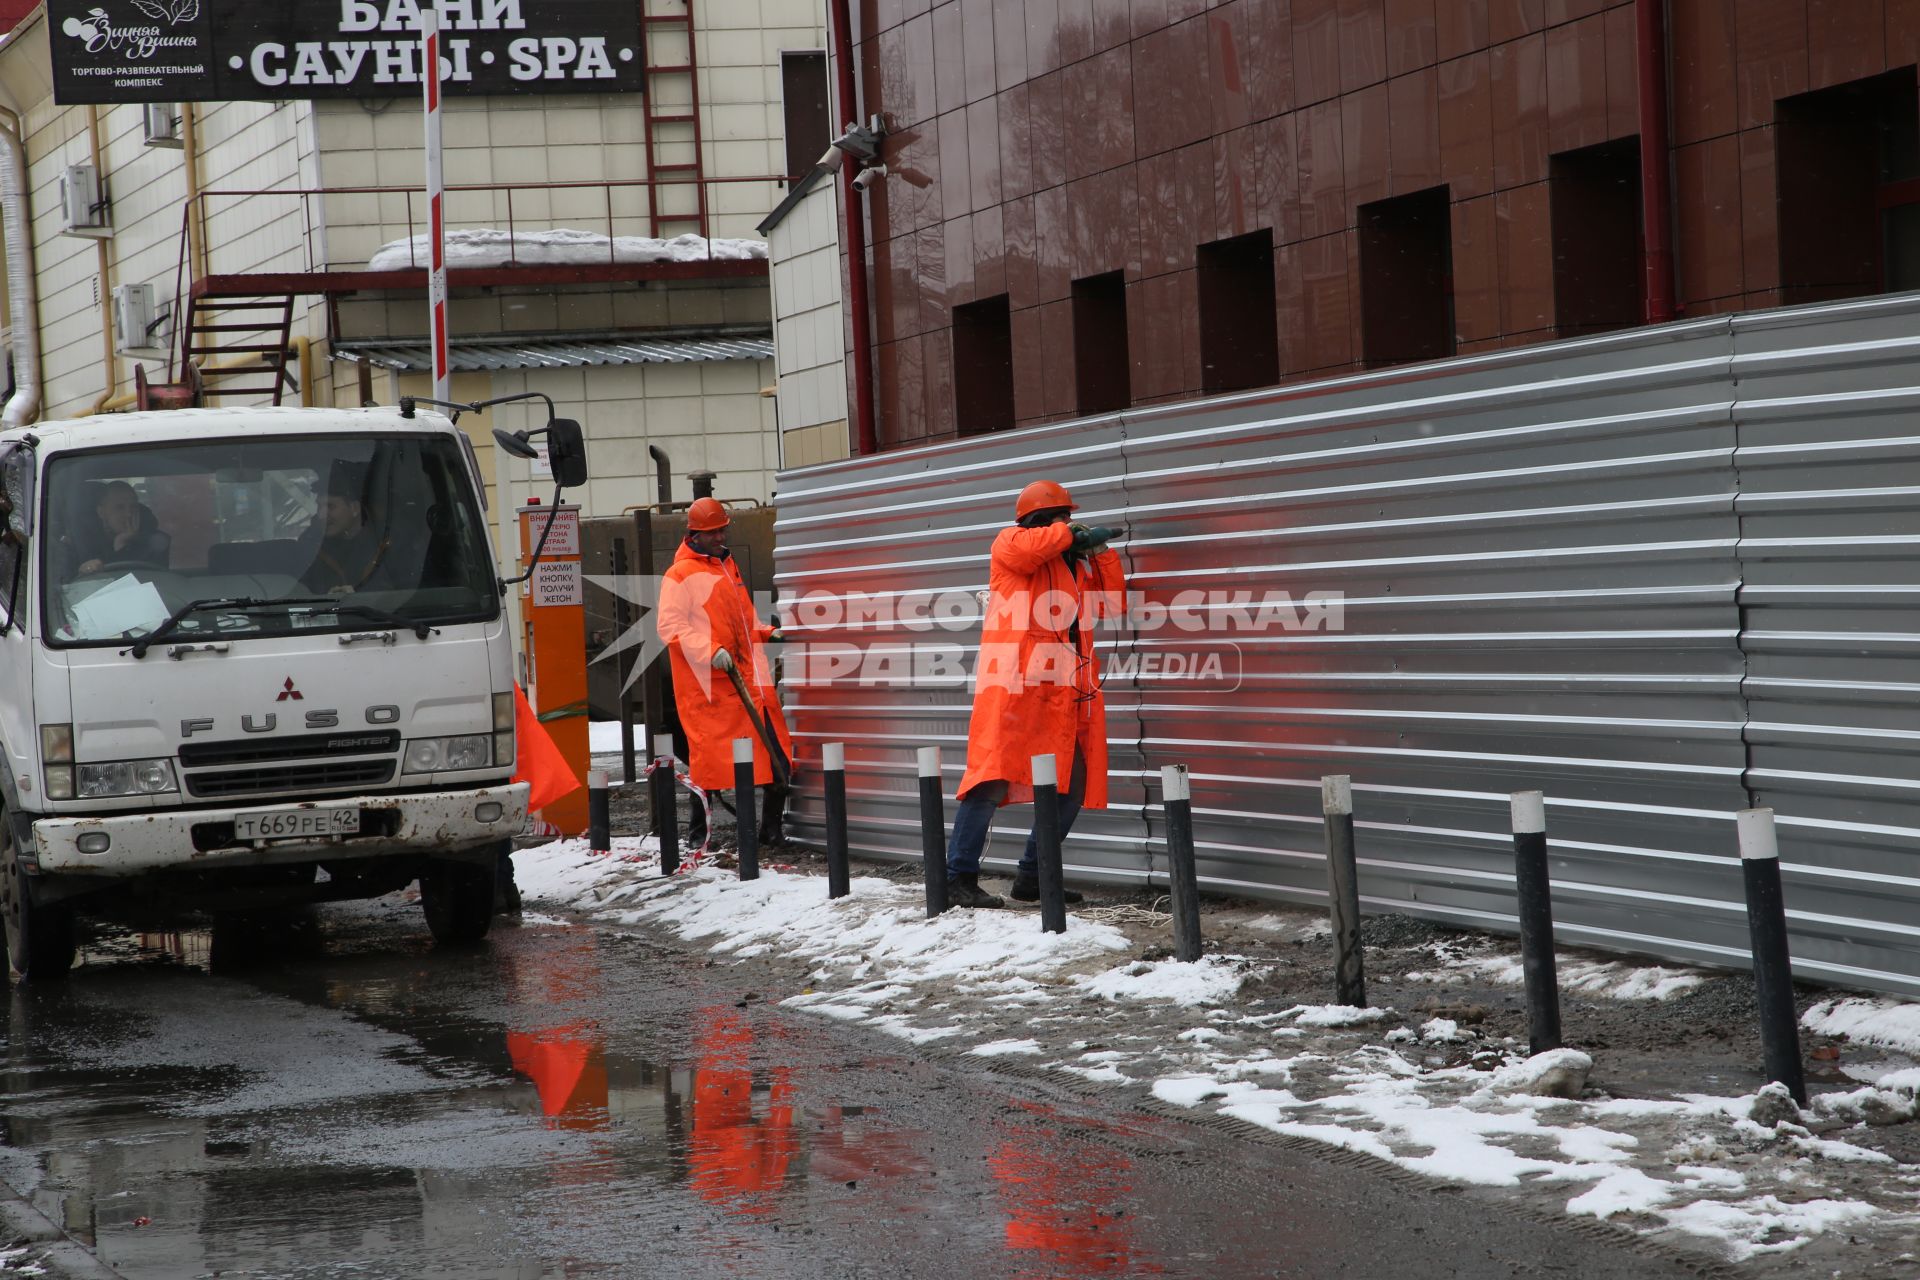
<point>24,405</point>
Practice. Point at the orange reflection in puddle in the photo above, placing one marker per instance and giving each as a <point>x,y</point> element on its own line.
<point>737,1159</point>
<point>566,1061</point>
<point>1062,1199</point>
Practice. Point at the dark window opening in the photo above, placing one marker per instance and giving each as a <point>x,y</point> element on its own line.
<point>983,366</point>
<point>1101,363</point>
<point>803,95</point>
<point>1239,332</point>
<point>1597,269</point>
<point>1847,161</point>
<point>1406,278</point>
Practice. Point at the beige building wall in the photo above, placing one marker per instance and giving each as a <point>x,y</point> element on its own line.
<point>809,330</point>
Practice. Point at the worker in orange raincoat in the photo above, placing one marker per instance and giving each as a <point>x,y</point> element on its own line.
<point>709,625</point>
<point>1037,684</point>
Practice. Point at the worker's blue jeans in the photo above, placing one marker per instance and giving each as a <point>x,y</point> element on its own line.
<point>975,819</point>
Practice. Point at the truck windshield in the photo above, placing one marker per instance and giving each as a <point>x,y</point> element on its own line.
<point>389,524</point>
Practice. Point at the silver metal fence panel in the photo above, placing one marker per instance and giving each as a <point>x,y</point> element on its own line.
<point>1539,559</point>
<point>1829,467</point>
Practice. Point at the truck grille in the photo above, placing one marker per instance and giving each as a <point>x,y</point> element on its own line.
<point>303,747</point>
<point>316,777</point>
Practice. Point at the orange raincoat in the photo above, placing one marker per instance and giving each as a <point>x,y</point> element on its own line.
<point>1037,689</point>
<point>704,606</point>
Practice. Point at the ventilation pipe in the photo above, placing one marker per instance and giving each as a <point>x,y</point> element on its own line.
<point>865,439</point>
<point>22,296</point>
<point>1656,182</point>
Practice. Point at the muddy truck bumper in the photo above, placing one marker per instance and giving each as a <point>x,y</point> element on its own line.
<point>448,823</point>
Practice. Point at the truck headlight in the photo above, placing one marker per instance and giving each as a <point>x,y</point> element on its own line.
<point>56,756</point>
<point>124,778</point>
<point>432,755</point>
<point>503,726</point>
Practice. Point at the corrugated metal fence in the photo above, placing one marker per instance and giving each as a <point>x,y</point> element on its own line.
<point>1662,576</point>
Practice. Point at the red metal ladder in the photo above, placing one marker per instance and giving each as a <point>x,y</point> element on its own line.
<point>210,316</point>
<point>661,29</point>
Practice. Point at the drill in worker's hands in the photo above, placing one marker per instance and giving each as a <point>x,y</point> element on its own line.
<point>1092,540</point>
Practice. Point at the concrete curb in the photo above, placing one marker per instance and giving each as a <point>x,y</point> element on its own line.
<point>58,1254</point>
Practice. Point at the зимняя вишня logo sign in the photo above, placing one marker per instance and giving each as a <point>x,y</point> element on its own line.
<point>98,33</point>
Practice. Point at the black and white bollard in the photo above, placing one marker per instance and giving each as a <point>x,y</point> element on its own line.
<point>599,813</point>
<point>666,816</point>
<point>933,832</point>
<point>1772,967</point>
<point>1046,830</point>
<point>1535,898</point>
<point>1183,884</point>
<point>746,816</point>
<point>833,782</point>
<point>1343,890</point>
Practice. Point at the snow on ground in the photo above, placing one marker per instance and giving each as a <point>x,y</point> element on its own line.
<point>564,246</point>
<point>1608,978</point>
<point>1744,1175</point>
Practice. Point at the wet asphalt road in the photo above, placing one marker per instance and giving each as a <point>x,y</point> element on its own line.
<point>340,1099</point>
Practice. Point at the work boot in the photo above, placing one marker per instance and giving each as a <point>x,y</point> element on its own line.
<point>1027,889</point>
<point>965,891</point>
<point>773,818</point>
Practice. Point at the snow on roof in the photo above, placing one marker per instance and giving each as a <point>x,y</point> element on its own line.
<point>563,246</point>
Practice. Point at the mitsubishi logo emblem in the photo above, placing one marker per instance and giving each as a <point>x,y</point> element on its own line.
<point>289,693</point>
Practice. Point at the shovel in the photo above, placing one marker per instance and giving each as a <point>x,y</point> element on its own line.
<point>774,753</point>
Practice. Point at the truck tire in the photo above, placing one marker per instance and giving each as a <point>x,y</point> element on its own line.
<point>457,898</point>
<point>39,937</point>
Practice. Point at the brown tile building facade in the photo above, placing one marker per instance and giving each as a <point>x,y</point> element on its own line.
<point>1097,203</point>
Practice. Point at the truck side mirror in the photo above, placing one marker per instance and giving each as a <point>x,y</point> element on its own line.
<point>567,452</point>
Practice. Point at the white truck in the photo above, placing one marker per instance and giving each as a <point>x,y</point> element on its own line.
<point>251,657</point>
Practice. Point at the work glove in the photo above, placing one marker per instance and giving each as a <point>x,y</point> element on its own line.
<point>1092,540</point>
<point>722,660</point>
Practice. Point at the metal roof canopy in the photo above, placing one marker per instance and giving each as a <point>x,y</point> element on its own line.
<point>563,353</point>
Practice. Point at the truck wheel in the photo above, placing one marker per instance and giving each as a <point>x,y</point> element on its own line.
<point>458,900</point>
<point>39,938</point>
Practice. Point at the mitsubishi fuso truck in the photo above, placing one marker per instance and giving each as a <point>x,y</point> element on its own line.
<point>250,658</point>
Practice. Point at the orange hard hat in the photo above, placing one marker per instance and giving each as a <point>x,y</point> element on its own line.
<point>706,514</point>
<point>1042,495</point>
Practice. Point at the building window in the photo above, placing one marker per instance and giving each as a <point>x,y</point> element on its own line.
<point>803,95</point>
<point>1101,362</point>
<point>983,366</point>
<point>1598,276</point>
<point>1239,332</point>
<point>1848,165</point>
<point>1406,278</point>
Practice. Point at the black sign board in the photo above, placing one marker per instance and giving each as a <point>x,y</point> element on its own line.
<point>223,50</point>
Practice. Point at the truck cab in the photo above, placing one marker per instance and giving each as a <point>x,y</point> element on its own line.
<point>248,658</point>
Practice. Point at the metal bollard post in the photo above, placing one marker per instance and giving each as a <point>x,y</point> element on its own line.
<point>599,816</point>
<point>1535,894</point>
<point>1772,967</point>
<point>1046,828</point>
<point>833,780</point>
<point>1343,890</point>
<point>666,817</point>
<point>1183,886</point>
<point>746,813</point>
<point>933,832</point>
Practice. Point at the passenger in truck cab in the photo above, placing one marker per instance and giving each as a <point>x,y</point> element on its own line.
<point>126,532</point>
<point>347,554</point>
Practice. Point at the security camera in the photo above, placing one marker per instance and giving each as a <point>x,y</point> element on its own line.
<point>831,161</point>
<point>869,177</point>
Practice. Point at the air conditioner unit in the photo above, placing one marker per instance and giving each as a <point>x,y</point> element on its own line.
<point>163,125</point>
<point>140,327</point>
<point>83,202</point>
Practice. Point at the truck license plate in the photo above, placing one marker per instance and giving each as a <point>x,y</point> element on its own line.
<point>295,824</point>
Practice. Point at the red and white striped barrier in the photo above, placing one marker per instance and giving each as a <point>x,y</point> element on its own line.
<point>436,202</point>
